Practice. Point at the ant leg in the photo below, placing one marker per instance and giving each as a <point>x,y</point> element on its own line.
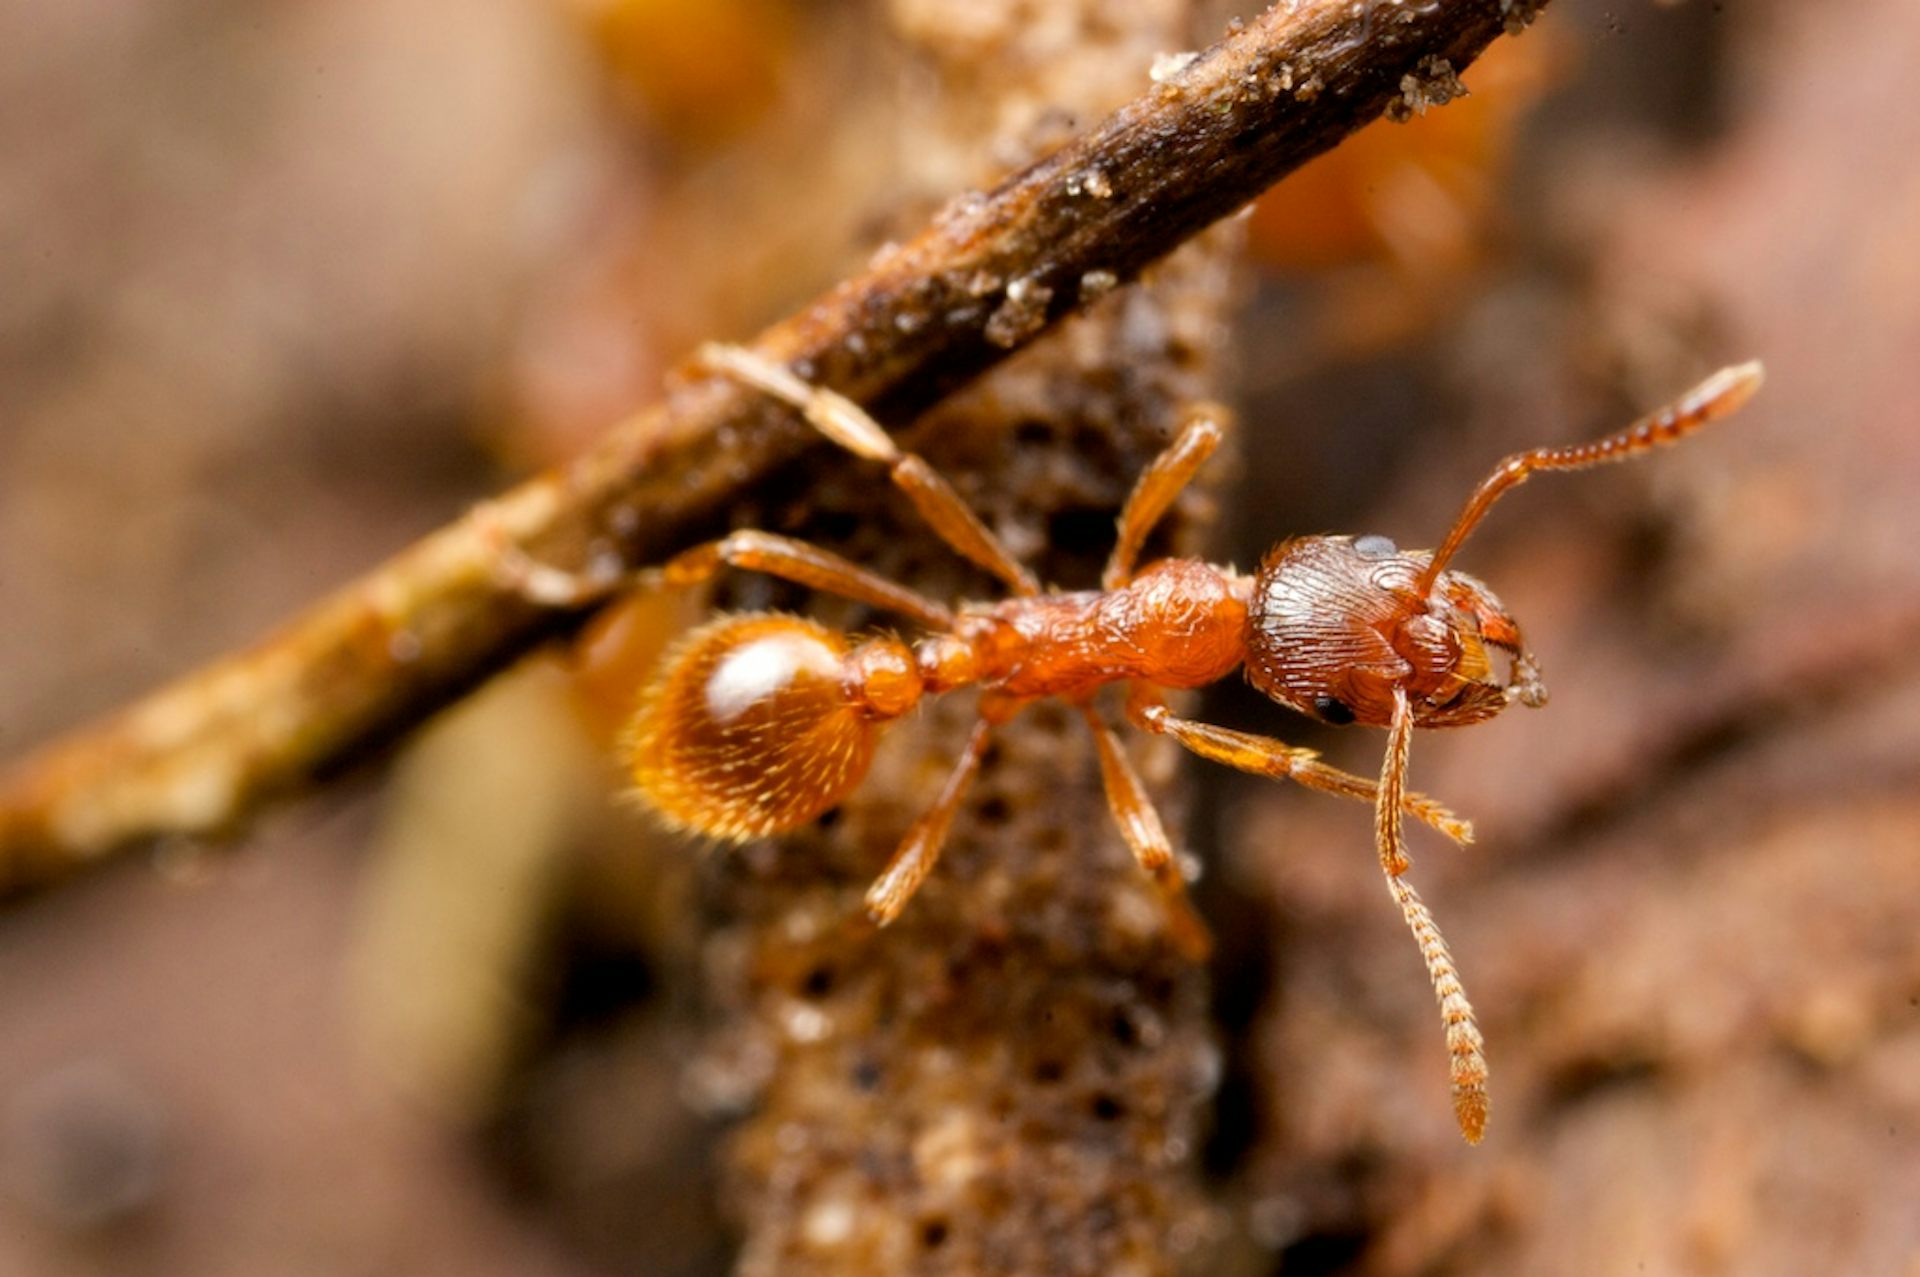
<point>1158,485</point>
<point>921,848</point>
<point>803,564</point>
<point>1144,834</point>
<point>536,582</point>
<point>1265,756</point>
<point>752,551</point>
<point>847,424</point>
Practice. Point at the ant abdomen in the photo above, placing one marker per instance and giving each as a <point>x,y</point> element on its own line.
<point>752,727</point>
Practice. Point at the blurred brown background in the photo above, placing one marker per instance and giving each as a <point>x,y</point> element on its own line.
<point>285,286</point>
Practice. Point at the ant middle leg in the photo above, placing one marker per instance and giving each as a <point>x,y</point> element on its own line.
<point>1157,487</point>
<point>1146,837</point>
<point>847,424</point>
<point>1265,756</point>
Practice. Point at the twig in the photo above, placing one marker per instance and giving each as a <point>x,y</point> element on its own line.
<point>990,273</point>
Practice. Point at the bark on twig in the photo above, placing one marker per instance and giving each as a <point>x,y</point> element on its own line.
<point>991,272</point>
<point>1013,1077</point>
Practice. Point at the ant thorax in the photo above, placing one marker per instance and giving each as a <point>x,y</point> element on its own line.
<point>1336,624</point>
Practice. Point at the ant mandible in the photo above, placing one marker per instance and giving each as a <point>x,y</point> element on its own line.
<point>761,722</point>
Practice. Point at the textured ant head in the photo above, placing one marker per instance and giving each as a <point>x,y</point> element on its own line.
<point>1354,630</point>
<point>1337,624</point>
<point>1345,628</point>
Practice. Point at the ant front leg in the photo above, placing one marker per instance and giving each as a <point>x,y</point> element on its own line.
<point>1147,838</point>
<point>847,424</point>
<point>1265,756</point>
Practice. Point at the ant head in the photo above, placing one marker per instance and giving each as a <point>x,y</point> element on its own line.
<point>1353,629</point>
<point>1337,624</point>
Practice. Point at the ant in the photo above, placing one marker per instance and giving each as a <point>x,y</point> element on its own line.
<point>761,722</point>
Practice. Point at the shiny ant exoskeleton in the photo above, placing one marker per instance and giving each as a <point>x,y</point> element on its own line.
<point>762,722</point>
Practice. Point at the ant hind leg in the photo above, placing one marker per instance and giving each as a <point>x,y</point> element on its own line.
<point>920,849</point>
<point>847,424</point>
<point>540,583</point>
<point>804,564</point>
<point>752,551</point>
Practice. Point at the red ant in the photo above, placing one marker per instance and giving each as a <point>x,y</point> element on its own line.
<point>762,722</point>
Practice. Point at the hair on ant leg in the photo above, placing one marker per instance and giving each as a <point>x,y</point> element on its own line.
<point>759,723</point>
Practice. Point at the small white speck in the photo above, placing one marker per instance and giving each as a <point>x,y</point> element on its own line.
<point>806,1024</point>
<point>1167,65</point>
<point>829,1223</point>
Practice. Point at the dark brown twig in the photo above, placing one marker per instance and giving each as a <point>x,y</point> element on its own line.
<point>991,272</point>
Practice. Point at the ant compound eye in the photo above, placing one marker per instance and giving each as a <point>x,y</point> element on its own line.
<point>1375,547</point>
<point>1333,710</point>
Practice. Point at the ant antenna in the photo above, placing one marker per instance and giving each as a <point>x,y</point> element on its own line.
<point>1465,1047</point>
<point>1468,1072</point>
<point>1711,400</point>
